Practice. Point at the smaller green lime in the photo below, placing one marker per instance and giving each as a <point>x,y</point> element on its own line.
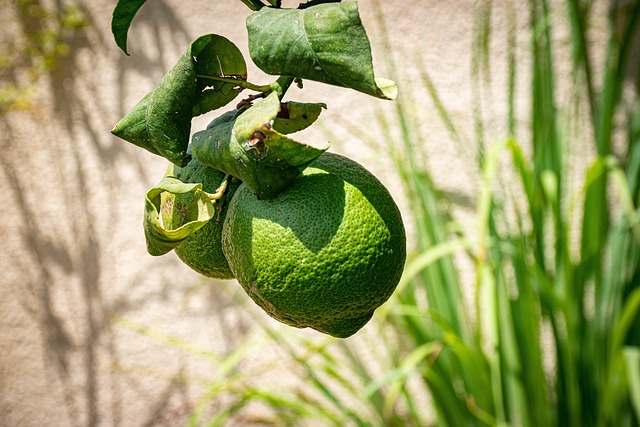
<point>202,251</point>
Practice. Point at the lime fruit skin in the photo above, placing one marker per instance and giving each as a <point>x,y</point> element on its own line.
<point>202,251</point>
<point>323,254</point>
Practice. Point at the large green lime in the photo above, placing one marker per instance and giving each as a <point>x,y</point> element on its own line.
<point>325,253</point>
<point>202,251</point>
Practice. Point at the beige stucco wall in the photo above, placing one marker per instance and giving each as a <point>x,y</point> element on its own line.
<point>75,277</point>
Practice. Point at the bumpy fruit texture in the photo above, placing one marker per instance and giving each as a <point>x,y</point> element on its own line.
<point>325,253</point>
<point>202,251</point>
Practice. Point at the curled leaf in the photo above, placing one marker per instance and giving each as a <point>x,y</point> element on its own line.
<point>296,116</point>
<point>250,148</point>
<point>123,14</point>
<point>217,58</point>
<point>161,121</point>
<point>229,116</point>
<point>326,43</point>
<point>174,211</point>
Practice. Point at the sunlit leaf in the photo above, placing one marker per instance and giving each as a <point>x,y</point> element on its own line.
<point>217,57</point>
<point>326,43</point>
<point>296,116</point>
<point>174,211</point>
<point>161,121</point>
<point>249,148</point>
<point>123,14</point>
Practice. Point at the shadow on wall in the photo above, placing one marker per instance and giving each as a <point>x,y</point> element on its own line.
<point>55,177</point>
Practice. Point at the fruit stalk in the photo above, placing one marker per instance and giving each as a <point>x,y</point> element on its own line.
<point>220,190</point>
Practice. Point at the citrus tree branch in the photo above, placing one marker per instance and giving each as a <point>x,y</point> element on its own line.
<point>238,82</point>
<point>280,86</point>
<point>253,4</point>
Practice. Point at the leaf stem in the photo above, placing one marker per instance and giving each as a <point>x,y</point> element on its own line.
<point>238,82</point>
<point>253,4</point>
<point>217,198</point>
<point>282,85</point>
<point>221,189</point>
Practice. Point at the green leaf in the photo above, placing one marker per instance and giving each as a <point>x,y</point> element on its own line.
<point>123,14</point>
<point>229,116</point>
<point>292,117</point>
<point>249,148</point>
<point>161,121</point>
<point>174,211</point>
<point>326,43</point>
<point>217,57</point>
<point>296,116</point>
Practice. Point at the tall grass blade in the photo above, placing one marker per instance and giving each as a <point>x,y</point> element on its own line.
<point>511,67</point>
<point>632,360</point>
<point>578,19</point>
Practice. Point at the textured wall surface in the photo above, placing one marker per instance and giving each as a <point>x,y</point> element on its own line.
<point>85,312</point>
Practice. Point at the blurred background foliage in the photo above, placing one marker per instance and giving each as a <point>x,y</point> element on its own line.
<point>34,49</point>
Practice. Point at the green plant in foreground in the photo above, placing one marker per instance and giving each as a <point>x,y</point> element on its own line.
<point>327,268</point>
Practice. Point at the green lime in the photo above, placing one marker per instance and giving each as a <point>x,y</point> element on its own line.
<point>325,253</point>
<point>202,251</point>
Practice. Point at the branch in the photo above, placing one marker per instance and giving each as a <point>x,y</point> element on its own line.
<point>253,4</point>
